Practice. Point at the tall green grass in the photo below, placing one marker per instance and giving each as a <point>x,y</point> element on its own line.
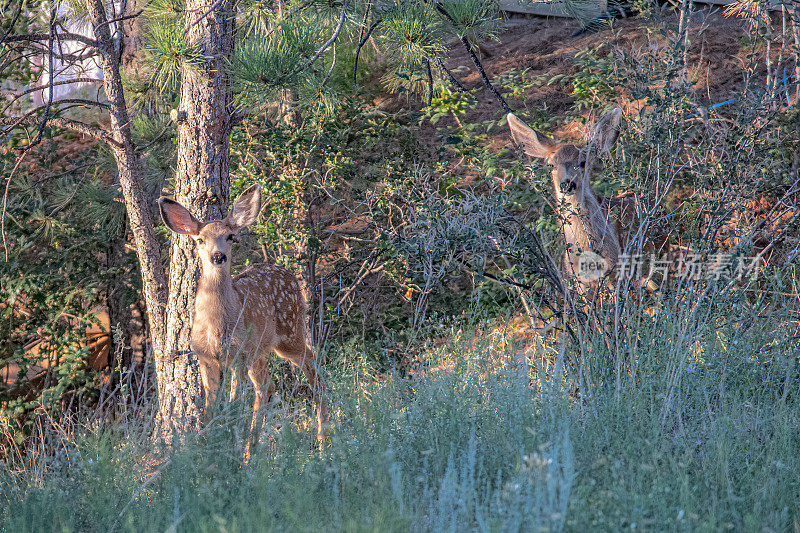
<point>696,429</point>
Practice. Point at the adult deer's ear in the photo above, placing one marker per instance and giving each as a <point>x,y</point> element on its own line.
<point>246,207</point>
<point>603,136</point>
<point>532,142</point>
<point>178,218</point>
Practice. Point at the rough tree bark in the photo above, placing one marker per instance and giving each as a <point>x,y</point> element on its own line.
<point>202,181</point>
<point>130,173</point>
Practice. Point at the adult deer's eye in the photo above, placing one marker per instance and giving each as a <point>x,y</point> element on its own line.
<point>200,242</point>
<point>232,238</point>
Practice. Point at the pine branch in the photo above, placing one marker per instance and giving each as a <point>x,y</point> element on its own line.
<point>327,44</point>
<point>475,60</point>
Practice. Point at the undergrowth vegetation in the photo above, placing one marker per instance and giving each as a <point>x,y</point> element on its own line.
<point>698,432</point>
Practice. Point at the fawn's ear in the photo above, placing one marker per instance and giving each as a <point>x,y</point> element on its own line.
<point>178,218</point>
<point>246,207</point>
<point>532,142</point>
<point>605,132</point>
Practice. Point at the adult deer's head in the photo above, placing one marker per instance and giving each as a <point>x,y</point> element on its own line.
<point>214,239</point>
<point>571,165</point>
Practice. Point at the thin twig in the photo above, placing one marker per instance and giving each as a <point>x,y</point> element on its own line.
<point>430,81</point>
<point>81,127</point>
<point>364,37</point>
<point>214,6</point>
<point>14,122</point>
<point>122,18</point>
<point>328,43</point>
<point>47,86</point>
<point>13,21</point>
<point>51,74</point>
<point>453,80</point>
<point>333,64</point>
<point>5,201</point>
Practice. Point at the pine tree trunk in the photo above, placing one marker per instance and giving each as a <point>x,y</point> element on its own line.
<point>202,181</point>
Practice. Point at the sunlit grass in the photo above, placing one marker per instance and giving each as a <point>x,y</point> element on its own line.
<point>482,440</point>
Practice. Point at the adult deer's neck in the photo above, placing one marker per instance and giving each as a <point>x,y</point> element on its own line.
<point>215,281</point>
<point>215,302</point>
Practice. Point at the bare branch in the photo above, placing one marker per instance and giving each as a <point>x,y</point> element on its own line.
<point>214,6</point>
<point>475,60</point>
<point>361,44</point>
<point>5,200</point>
<point>13,122</point>
<point>453,80</point>
<point>51,74</point>
<point>68,124</point>
<point>81,101</point>
<point>430,81</point>
<point>82,56</point>
<point>54,84</point>
<point>13,21</point>
<point>46,36</point>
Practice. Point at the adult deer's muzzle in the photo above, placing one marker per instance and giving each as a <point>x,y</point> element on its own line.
<point>568,186</point>
<point>218,258</point>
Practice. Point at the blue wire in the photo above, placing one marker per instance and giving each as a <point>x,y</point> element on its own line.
<point>785,85</point>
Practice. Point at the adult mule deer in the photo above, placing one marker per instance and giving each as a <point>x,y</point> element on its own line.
<point>593,245</point>
<point>259,311</point>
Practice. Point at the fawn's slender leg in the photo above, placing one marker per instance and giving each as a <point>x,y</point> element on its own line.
<point>303,358</point>
<point>234,383</point>
<point>310,370</point>
<point>209,373</point>
<point>259,375</point>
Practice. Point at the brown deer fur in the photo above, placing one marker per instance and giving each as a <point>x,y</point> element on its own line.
<point>585,225</point>
<point>238,321</point>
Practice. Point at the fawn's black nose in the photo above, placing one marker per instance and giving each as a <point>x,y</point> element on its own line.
<point>218,258</point>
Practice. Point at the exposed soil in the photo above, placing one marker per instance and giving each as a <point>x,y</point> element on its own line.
<point>548,46</point>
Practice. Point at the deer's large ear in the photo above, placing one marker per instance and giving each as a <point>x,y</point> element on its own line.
<point>605,132</point>
<point>532,142</point>
<point>178,218</point>
<point>246,207</point>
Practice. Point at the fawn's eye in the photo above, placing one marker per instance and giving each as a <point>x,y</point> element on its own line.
<point>200,241</point>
